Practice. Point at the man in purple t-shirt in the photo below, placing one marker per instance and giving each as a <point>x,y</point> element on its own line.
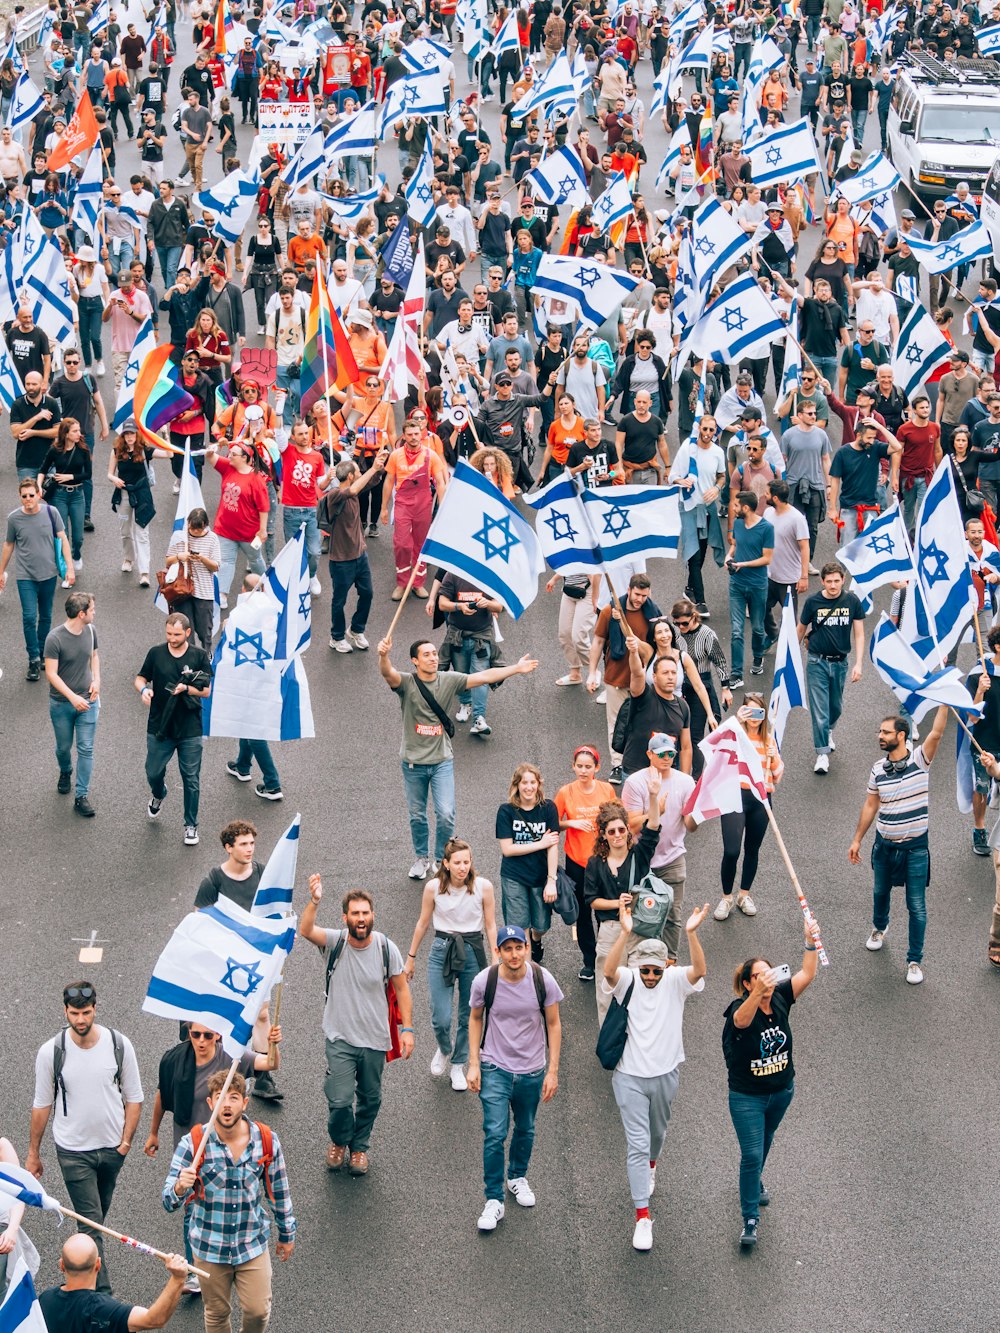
<point>507,1036</point>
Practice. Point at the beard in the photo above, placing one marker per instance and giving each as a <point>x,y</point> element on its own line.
<point>360,930</point>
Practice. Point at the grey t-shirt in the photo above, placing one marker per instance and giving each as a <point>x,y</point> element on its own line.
<point>220,1061</point>
<point>34,538</point>
<point>356,1008</point>
<point>804,452</point>
<point>789,529</point>
<point>425,740</point>
<point>72,653</point>
<point>195,121</point>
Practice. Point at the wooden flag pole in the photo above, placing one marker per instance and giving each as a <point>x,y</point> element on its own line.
<point>130,1241</point>
<point>402,601</point>
<point>233,1068</point>
<point>794,878</point>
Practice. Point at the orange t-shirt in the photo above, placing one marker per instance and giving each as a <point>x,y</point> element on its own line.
<point>561,437</point>
<point>844,231</point>
<point>301,248</point>
<point>399,468</point>
<point>572,803</point>
<point>368,348</point>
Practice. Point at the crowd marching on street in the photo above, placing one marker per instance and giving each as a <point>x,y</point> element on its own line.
<point>416,278</point>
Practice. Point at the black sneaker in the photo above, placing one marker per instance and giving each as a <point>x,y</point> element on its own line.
<point>586,972</point>
<point>615,777</point>
<point>372,529</point>
<point>765,1198</point>
<point>980,845</point>
<point>266,1089</point>
<point>736,682</point>
<point>703,611</point>
<point>748,1236</point>
<point>64,783</point>
<point>88,524</point>
<point>155,806</point>
<point>269,793</point>
<point>83,807</point>
<point>34,668</point>
<point>234,772</point>
<point>537,952</point>
<point>758,667</point>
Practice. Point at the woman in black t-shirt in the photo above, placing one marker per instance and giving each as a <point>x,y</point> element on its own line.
<point>527,828</point>
<point>757,1045</point>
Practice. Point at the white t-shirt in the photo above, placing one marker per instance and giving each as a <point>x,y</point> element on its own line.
<point>655,1042</point>
<point>95,1114</point>
<point>676,789</point>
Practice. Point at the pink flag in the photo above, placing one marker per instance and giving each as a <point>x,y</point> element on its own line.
<point>730,760</point>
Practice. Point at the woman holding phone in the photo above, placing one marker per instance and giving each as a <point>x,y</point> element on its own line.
<point>757,1045</point>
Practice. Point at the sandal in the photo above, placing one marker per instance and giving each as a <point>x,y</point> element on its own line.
<point>570,680</point>
<point>995,954</point>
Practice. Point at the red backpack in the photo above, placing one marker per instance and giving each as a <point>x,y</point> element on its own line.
<point>267,1157</point>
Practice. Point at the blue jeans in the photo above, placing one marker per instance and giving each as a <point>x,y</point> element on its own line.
<point>261,751</point>
<point>67,722</point>
<point>189,752</point>
<point>500,1094</point>
<point>812,30</point>
<point>290,384</point>
<point>122,257</point>
<point>345,575</point>
<point>911,501</point>
<point>746,596</point>
<point>72,506</point>
<point>294,517</point>
<point>471,656</point>
<point>438,781</point>
<point>825,687</point>
<point>859,120</point>
<point>826,365</point>
<point>486,262</point>
<point>170,259</point>
<point>756,1118</point>
<point>89,311</point>
<point>36,613</point>
<point>227,569</point>
<point>907,863</point>
<point>441,996</point>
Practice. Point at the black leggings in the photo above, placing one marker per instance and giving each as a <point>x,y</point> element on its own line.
<point>748,827</point>
<point>699,718</point>
<point>585,935</point>
<point>695,580</point>
<point>370,499</point>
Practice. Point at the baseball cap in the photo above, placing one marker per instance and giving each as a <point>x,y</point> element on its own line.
<point>959,355</point>
<point>506,933</point>
<point>662,743</point>
<point>502,379</point>
<point>649,951</point>
<point>129,425</point>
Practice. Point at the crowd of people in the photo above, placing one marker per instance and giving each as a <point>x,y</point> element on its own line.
<point>508,382</point>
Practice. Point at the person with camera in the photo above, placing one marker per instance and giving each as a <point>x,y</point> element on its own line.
<point>653,994</point>
<point>757,1046</point>
<point>172,681</point>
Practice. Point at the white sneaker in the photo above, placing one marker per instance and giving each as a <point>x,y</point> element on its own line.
<point>491,1215</point>
<point>652,1181</point>
<point>358,641</point>
<point>480,727</point>
<point>127,569</point>
<point>440,1063</point>
<point>464,713</point>
<point>223,600</point>
<point>314,588</point>
<point>725,906</point>
<point>177,487</point>
<point>874,940</point>
<point>601,697</point>
<point>458,1080</point>
<point>822,764</point>
<point>99,370</point>
<point>432,868</point>
<point>191,1286</point>
<point>642,1236</point>
<point>913,974</point>
<point>77,564</point>
<point>833,743</point>
<point>522,1192</point>
<point>419,868</point>
<point>341,646</point>
<point>746,904</point>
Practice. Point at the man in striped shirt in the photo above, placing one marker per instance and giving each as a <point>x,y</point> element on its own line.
<point>897,802</point>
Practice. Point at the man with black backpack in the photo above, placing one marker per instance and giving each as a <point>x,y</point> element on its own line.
<point>514,1013</point>
<point>90,1076</point>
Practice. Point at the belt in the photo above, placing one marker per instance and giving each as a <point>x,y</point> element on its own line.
<point>75,487</point>
<point>830,657</point>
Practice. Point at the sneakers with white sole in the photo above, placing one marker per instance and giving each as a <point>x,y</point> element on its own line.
<point>746,904</point>
<point>822,764</point>
<point>190,835</point>
<point>440,1063</point>
<point>642,1236</point>
<point>314,587</point>
<point>480,727</point>
<point>419,868</point>
<point>491,1215</point>
<point>341,646</point>
<point>464,713</point>
<point>725,906</point>
<point>874,940</point>
<point>522,1192</point>
<point>458,1080</point>
<point>358,641</point>
<point>652,1181</point>
<point>914,975</point>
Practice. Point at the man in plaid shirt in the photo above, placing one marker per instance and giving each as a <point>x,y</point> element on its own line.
<point>228,1227</point>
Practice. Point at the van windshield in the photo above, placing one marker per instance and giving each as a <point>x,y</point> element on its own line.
<point>964,124</point>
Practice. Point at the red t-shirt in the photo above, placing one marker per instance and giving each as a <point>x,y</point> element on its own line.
<point>299,474</point>
<point>241,503</point>
<point>918,449</point>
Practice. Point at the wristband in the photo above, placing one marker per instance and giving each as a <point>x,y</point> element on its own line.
<point>409,1030</point>
<point>411,955</point>
<point>810,948</point>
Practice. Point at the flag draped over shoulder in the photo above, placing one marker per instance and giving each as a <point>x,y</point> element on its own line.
<point>731,759</point>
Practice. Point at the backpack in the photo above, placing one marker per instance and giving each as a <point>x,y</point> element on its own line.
<point>59,1060</point>
<point>652,902</point>
<point>267,1157</point>
<point>332,959</point>
<point>491,990</point>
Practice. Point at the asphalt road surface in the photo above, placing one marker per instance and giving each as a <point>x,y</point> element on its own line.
<point>879,1217</point>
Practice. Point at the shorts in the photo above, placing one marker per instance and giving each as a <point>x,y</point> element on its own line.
<point>523,905</point>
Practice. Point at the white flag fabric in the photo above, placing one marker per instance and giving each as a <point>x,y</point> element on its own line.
<point>33,270</point>
<point>920,349</point>
<point>478,534</point>
<point>880,554</point>
<point>10,381</point>
<point>18,1184</point>
<point>354,135</point>
<point>419,188</point>
<point>218,968</point>
<point>420,94</point>
<point>25,104</point>
<point>613,204</point>
<point>875,177</point>
<point>583,530</point>
<point>307,160</point>
<point>731,759</point>
<point>906,674</point>
<point>680,137</point>
<point>788,689</point>
<point>276,889</point>
<point>145,342</point>
<point>89,198</point>
<point>424,54</point>
<point>791,375</point>
<point>943,601</point>
<point>785,154</point>
<point>20,1311</point>
<point>988,39</point>
<point>970,243</point>
<point>507,39</point>
<point>717,242</point>
<point>232,200</point>
<point>597,288</point>
<point>557,89</point>
<point>737,318</point>
<point>560,179</point>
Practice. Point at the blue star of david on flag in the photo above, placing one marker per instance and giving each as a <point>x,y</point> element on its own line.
<point>616,521</point>
<point>867,182</point>
<point>704,246</point>
<point>251,972</point>
<point>305,604</point>
<point>733,319</point>
<point>242,639</point>
<point>934,564</point>
<point>29,245</point>
<point>913,354</point>
<point>492,548</point>
<point>566,184</point>
<point>561,525</point>
<point>586,277</point>
<point>951,252</point>
<point>773,155</point>
<point>424,193</point>
<point>882,544</point>
<point>131,375</point>
<point>410,94</point>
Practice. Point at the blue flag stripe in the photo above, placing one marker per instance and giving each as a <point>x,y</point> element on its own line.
<point>191,1002</point>
<point>261,940</point>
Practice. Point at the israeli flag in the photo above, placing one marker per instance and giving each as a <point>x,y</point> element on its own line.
<point>20,1311</point>
<point>33,270</point>
<point>717,242</point>
<point>188,497</point>
<point>354,136</point>
<point>425,54</point>
<point>471,15</point>
<point>25,104</point>
<point>557,89</point>
<point>920,349</point>
<point>689,302</point>
<point>906,674</point>
<point>583,531</point>
<point>145,343</point>
<point>507,38</point>
<point>46,30</point>
<point>277,880</point>
<point>596,288</point>
<point>768,52</point>
<point>788,689</point>
<point>737,319</point>
<point>688,17</point>
<point>88,201</point>
<point>680,136</point>
<point>988,40</point>
<point>560,179</point>
<point>791,375</point>
<point>232,201</point>
<point>349,208</point>
<point>613,204</point>
<point>943,600</point>
<point>753,81</point>
<point>786,154</point>
<point>218,969</point>
<point>10,381</point>
<point>419,94</point>
<point>419,188</point>
<point>308,160</point>
<point>23,1187</point>
<point>876,176</point>
<point>479,535</point>
<point>100,18</point>
<point>878,555</point>
<point>885,25</point>
<point>970,243</point>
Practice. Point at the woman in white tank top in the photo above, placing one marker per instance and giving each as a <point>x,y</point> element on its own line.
<point>460,906</point>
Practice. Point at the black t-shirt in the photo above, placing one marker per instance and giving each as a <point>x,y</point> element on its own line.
<point>858,470</point>
<point>31,452</point>
<point>164,671</point>
<point>524,826</point>
<point>27,349</point>
<point>651,713</point>
<point>217,882</point>
<point>861,90</point>
<point>443,308</point>
<point>83,1312</point>
<point>830,620</point>
<point>640,437</point>
<point>836,88</point>
<point>76,399</point>
<point>462,591</point>
<point>759,1057</point>
<point>821,325</point>
<point>598,474</point>
<point>386,303</point>
<point>986,449</point>
<point>152,91</point>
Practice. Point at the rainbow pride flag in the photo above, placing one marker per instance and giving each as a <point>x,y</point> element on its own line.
<point>159,396</point>
<point>223,25</point>
<point>703,151</point>
<point>327,360</point>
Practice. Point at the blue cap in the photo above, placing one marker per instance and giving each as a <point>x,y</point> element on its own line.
<point>506,933</point>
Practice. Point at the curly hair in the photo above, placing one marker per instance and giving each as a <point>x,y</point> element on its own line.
<point>610,811</point>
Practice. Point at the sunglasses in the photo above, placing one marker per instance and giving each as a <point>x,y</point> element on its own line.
<point>664,754</point>
<point>73,993</point>
<point>651,971</point>
<point>201,1036</point>
<point>618,832</point>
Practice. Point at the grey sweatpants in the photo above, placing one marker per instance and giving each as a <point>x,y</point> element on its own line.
<point>644,1106</point>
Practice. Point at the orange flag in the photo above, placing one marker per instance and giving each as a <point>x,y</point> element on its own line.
<point>81,134</point>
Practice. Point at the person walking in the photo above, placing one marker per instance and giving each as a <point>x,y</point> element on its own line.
<point>73,670</point>
<point>416,476</point>
<point>64,471</point>
<point>830,623</point>
<point>527,829</point>
<point>349,567</point>
<point>515,1014</point>
<point>897,803</point>
<point>646,1077</point>
<point>460,906</point>
<point>173,679</point>
<point>197,550</point>
<point>361,964</point>
<point>750,550</point>
<point>470,615</point>
<point>34,532</point>
<point>757,1046</point>
<point>229,1228</point>
<point>608,645</point>
<point>242,516</point>
<point>128,472</point>
<point>87,1083</point>
<point>578,804</point>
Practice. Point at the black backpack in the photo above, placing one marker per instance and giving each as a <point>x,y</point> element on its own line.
<point>491,990</point>
<point>59,1060</point>
<point>333,958</point>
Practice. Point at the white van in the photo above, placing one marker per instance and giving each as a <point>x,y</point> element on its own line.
<point>944,124</point>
